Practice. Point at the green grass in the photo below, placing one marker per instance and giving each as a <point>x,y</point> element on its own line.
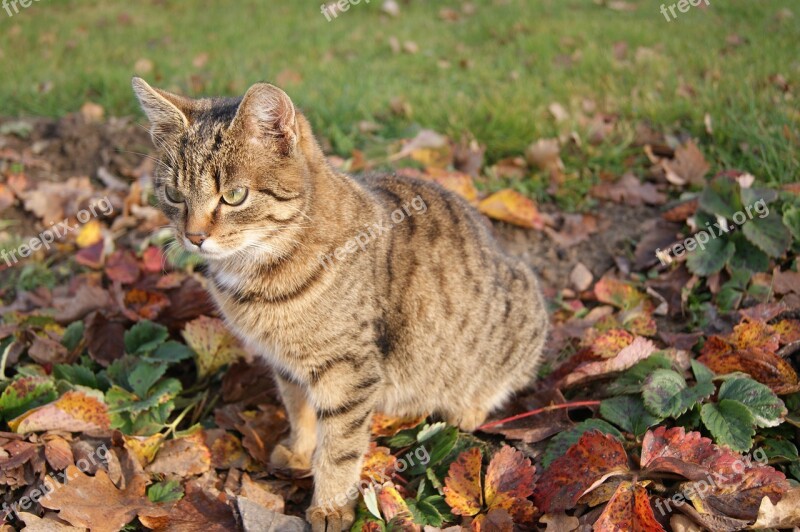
<point>504,67</point>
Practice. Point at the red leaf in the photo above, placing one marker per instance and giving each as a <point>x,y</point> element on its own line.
<point>628,509</point>
<point>122,267</point>
<point>585,466</point>
<point>726,482</point>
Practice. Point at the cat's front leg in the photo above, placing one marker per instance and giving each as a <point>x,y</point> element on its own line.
<point>345,399</point>
<point>295,452</point>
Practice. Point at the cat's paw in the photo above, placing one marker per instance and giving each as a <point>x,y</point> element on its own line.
<point>283,457</point>
<point>468,420</point>
<point>327,519</point>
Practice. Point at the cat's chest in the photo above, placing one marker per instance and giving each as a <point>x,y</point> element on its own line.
<point>275,327</point>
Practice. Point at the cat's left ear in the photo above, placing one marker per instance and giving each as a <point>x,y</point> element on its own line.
<point>266,115</point>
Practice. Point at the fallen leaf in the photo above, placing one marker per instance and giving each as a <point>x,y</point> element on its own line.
<point>510,206</point>
<point>784,514</point>
<point>182,457</point>
<point>462,490</point>
<point>213,344</point>
<point>628,509</point>
<point>638,350</point>
<point>584,466</point>
<point>630,191</point>
<point>96,503</point>
<point>72,412</point>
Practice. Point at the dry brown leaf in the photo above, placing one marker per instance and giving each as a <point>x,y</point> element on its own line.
<point>688,167</point>
<point>630,191</point>
<point>182,457</point>
<point>784,514</point>
<point>96,503</point>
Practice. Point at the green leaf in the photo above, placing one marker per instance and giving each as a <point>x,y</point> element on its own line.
<point>701,372</point>
<point>631,381</point>
<point>666,394</point>
<point>751,196</point>
<point>26,393</point>
<point>730,423</point>
<point>628,412</point>
<point>564,440</point>
<point>73,335</point>
<point>721,197</point>
<point>712,258</point>
<point>769,234</point>
<point>425,513</point>
<point>167,491</point>
<point>144,376</point>
<point>77,374</point>
<point>791,219</point>
<point>747,256</point>
<point>438,447</point>
<point>144,337</point>
<point>766,407</point>
<point>781,449</point>
<point>173,351</point>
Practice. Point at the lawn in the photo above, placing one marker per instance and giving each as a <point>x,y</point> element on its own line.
<point>491,73</point>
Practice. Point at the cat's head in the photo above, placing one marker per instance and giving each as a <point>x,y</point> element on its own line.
<point>232,175</point>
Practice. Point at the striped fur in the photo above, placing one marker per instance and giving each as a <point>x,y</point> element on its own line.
<point>429,317</point>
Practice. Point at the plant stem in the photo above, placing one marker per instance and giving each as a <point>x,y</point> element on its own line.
<point>4,361</point>
<point>575,404</point>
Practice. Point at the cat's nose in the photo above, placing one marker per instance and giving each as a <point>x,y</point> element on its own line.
<point>197,238</point>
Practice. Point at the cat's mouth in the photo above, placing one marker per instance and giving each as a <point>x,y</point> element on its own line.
<point>213,250</point>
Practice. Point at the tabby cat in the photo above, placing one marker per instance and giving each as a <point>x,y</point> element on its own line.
<point>365,294</point>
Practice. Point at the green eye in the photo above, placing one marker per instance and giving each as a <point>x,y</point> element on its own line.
<point>173,194</point>
<point>235,196</point>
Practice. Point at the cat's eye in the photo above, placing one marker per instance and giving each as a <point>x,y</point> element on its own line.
<point>235,196</point>
<point>173,194</point>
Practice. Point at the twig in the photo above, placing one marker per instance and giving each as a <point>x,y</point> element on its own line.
<point>576,404</point>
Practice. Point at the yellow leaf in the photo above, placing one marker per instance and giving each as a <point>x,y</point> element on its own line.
<point>144,449</point>
<point>463,483</point>
<point>213,344</point>
<point>510,206</point>
<point>456,182</point>
<point>90,233</point>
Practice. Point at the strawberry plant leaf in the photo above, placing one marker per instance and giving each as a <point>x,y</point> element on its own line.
<point>628,413</point>
<point>172,351</point>
<point>766,407</point>
<point>24,394</point>
<point>769,234</point>
<point>730,423</point>
<point>666,394</point>
<point>144,376</point>
<point>509,483</point>
<point>586,465</point>
<point>712,258</point>
<point>144,337</point>
<point>628,509</point>
<point>564,440</point>
<point>722,197</point>
<point>632,379</point>
<point>701,372</point>
<point>747,257</point>
<point>165,492</point>
<point>462,490</point>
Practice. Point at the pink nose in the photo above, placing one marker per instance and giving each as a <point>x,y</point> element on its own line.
<point>197,238</point>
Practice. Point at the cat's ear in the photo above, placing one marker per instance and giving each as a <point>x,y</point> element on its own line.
<point>266,115</point>
<point>168,113</point>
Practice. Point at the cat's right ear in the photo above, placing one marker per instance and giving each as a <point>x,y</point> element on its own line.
<point>168,113</point>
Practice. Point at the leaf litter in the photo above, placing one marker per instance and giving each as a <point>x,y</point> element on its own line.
<point>121,350</point>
